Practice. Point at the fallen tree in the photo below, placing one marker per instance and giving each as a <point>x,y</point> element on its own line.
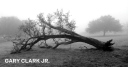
<point>61,31</point>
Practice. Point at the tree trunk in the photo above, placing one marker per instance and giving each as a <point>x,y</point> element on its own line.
<point>104,32</point>
<point>74,37</point>
<point>94,42</point>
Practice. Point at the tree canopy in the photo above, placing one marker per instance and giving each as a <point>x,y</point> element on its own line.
<point>56,27</point>
<point>105,24</point>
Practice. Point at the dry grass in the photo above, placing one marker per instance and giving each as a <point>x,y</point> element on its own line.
<point>71,57</point>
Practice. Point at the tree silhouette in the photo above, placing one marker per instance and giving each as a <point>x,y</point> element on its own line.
<point>105,24</point>
<point>56,27</point>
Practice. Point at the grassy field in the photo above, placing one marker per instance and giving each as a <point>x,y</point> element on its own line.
<point>74,57</point>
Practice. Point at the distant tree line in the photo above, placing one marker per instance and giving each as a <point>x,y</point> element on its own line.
<point>9,25</point>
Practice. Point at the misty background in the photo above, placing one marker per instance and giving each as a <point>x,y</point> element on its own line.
<point>103,24</point>
<point>13,12</point>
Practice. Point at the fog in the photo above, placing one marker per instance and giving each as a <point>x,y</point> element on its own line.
<point>82,11</point>
<point>108,33</point>
<point>9,25</point>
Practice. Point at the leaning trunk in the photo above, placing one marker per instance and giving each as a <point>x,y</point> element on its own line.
<point>78,38</point>
<point>74,37</point>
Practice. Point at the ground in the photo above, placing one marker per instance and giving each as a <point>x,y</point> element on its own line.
<point>65,56</point>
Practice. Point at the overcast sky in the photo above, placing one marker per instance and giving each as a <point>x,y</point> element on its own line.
<point>82,11</point>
